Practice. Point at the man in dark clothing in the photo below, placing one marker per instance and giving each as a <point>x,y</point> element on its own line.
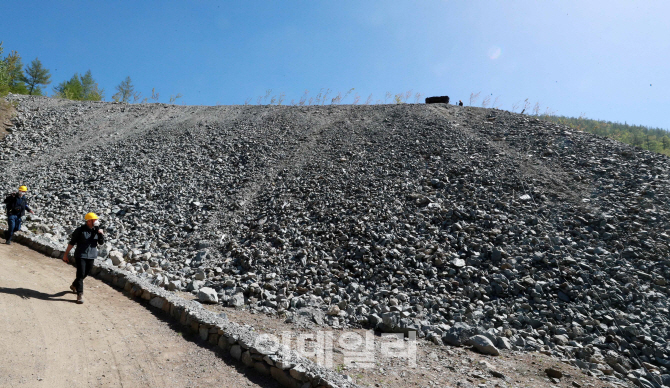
<point>87,238</point>
<point>16,204</point>
<point>460,103</point>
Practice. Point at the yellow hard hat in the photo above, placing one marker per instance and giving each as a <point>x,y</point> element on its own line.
<point>90,216</point>
<point>23,188</point>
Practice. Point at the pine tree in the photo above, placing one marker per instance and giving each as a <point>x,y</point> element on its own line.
<point>124,91</point>
<point>80,88</point>
<point>36,75</point>
<point>4,78</point>
<point>90,89</point>
<point>14,72</point>
<point>71,89</point>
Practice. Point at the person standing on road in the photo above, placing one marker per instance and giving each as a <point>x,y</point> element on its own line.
<point>16,204</point>
<point>87,238</point>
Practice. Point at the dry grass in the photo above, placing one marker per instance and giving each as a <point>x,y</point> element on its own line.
<point>7,111</point>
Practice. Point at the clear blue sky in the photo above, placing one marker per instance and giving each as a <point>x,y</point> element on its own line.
<point>608,59</point>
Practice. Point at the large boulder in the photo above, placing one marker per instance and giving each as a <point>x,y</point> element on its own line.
<point>483,345</point>
<point>458,334</point>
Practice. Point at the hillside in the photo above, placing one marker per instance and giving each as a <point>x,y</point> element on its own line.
<point>651,139</point>
<point>442,219</point>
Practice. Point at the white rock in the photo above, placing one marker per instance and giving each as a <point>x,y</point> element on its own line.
<point>333,310</point>
<point>207,295</point>
<point>116,256</point>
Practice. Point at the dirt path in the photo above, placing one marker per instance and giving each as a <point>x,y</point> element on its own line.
<point>111,341</point>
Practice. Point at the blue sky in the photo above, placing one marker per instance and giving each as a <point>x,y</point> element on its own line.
<point>606,59</point>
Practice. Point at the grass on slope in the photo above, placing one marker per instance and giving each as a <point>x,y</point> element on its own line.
<point>652,139</point>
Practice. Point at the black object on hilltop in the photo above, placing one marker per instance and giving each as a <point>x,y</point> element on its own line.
<point>437,100</point>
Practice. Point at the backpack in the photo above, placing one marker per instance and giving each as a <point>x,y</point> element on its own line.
<point>10,205</point>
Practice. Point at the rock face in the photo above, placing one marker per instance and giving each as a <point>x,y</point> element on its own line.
<point>448,221</point>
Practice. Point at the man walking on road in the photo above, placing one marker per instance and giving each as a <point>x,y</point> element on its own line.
<point>87,238</point>
<point>16,204</point>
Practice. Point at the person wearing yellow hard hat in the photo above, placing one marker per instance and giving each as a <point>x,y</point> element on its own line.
<point>16,205</point>
<point>87,238</point>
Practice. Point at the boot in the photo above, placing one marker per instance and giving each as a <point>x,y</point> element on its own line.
<point>73,289</point>
<point>80,298</point>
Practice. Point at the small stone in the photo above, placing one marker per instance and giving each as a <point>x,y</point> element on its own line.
<point>246,359</point>
<point>298,372</point>
<point>174,285</point>
<point>561,339</point>
<point>116,257</point>
<point>195,285</point>
<point>504,343</point>
<point>237,300</point>
<point>333,310</point>
<point>236,352</point>
<point>262,368</point>
<point>554,373</point>
<point>157,302</point>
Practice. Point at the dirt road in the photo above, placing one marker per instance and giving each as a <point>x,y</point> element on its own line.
<point>48,340</point>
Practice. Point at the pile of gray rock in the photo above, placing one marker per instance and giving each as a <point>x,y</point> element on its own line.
<point>466,225</point>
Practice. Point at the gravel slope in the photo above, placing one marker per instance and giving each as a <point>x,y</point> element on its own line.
<point>451,221</point>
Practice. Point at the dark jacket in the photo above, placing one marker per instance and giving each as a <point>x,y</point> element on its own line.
<point>16,206</point>
<point>87,240</point>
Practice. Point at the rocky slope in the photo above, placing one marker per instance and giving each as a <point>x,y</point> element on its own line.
<point>452,221</point>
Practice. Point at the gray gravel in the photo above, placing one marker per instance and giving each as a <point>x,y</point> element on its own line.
<point>451,221</point>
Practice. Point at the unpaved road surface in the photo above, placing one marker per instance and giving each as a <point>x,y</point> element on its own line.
<point>111,341</point>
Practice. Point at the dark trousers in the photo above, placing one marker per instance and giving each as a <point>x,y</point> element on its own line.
<point>83,269</point>
<point>13,226</point>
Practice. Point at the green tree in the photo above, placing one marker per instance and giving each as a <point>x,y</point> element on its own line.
<point>125,91</point>
<point>637,139</point>
<point>70,89</point>
<point>4,77</point>
<point>91,90</point>
<point>14,73</point>
<point>80,88</point>
<point>36,75</point>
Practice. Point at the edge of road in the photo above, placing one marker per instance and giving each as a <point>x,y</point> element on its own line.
<point>252,349</point>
